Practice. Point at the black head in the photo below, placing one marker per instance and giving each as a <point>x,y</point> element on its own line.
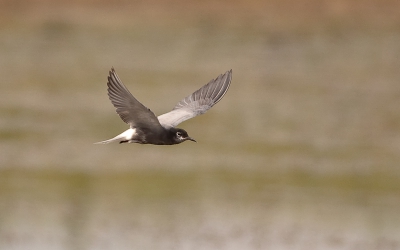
<point>180,135</point>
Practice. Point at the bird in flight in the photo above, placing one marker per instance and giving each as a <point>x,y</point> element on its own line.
<point>146,128</point>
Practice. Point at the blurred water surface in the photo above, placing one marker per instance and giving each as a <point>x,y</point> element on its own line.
<point>194,210</point>
<point>302,152</point>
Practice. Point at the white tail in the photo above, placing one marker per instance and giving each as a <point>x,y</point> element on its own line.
<point>125,136</point>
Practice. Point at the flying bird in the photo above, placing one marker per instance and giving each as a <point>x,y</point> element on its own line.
<point>146,128</point>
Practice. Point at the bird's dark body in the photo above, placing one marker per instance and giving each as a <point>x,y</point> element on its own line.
<point>147,136</point>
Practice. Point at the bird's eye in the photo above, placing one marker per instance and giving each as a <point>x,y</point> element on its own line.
<point>178,134</point>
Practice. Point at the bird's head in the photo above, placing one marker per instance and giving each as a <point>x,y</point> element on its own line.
<point>180,135</point>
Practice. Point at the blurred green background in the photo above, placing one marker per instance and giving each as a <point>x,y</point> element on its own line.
<point>302,153</point>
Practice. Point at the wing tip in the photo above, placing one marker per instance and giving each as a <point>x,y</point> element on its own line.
<point>229,73</point>
<point>112,71</point>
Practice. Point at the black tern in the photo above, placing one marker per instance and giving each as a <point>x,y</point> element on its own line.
<point>146,128</point>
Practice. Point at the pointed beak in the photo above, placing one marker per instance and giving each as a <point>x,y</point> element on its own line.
<point>191,139</point>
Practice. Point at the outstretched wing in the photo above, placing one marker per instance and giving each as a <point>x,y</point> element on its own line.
<point>199,102</point>
<point>128,107</point>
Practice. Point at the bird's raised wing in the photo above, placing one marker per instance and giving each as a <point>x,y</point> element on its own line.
<point>128,107</point>
<point>199,102</point>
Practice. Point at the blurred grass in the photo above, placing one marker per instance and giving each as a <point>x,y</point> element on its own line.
<point>289,94</point>
<point>164,180</point>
